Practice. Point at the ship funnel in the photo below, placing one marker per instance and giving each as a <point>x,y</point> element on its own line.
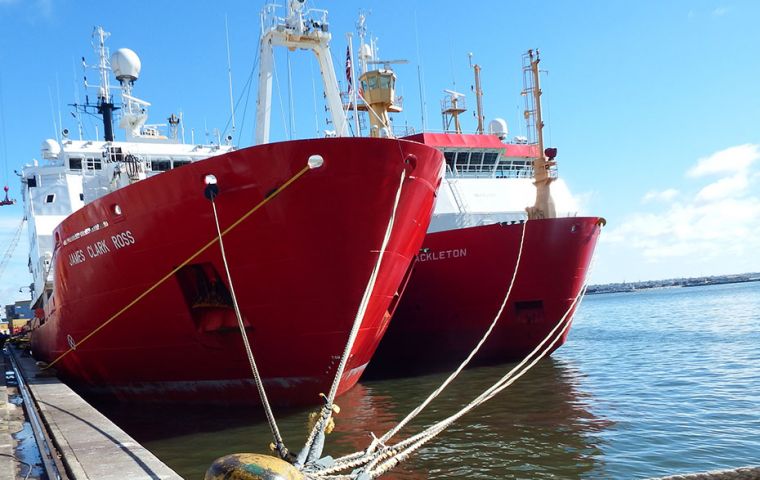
<point>125,65</point>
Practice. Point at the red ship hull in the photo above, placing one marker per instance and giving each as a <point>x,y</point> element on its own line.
<point>299,266</point>
<point>460,279</point>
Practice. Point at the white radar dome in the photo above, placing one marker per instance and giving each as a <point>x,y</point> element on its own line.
<point>125,65</point>
<point>498,127</point>
<point>50,149</point>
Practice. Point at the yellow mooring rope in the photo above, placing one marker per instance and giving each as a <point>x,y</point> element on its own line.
<point>189,259</point>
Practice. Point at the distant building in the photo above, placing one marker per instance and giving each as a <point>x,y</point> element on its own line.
<point>4,328</point>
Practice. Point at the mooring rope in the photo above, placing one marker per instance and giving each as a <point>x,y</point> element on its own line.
<point>403,449</point>
<point>358,458</point>
<point>380,461</point>
<point>393,455</point>
<point>279,443</point>
<point>467,360</point>
<point>314,445</point>
<point>189,259</point>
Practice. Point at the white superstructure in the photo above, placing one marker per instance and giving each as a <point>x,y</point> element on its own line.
<point>73,173</point>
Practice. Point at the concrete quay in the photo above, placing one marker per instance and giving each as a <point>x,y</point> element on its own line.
<point>88,445</point>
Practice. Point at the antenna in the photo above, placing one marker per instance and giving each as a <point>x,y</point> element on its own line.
<point>105,105</point>
<point>386,63</point>
<point>76,101</point>
<point>361,29</point>
<point>52,114</point>
<point>229,72</point>
<point>453,93</point>
<point>58,98</point>
<point>419,72</point>
<point>451,107</point>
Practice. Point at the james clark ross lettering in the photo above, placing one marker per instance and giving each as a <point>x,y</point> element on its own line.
<point>120,240</point>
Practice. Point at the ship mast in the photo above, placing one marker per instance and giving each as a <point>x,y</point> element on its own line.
<point>105,105</point>
<point>478,96</point>
<point>544,160</point>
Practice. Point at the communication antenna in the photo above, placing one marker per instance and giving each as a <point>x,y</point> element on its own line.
<point>386,63</point>
<point>58,98</point>
<point>451,107</point>
<point>229,72</point>
<point>75,113</point>
<point>423,106</point>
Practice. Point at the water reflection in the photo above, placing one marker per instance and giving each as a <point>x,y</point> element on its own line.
<point>543,426</point>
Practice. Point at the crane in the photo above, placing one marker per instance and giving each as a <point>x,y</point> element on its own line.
<point>12,246</point>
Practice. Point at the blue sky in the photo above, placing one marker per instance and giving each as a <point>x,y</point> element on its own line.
<point>653,105</point>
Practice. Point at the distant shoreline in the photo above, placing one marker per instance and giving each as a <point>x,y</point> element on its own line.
<point>673,283</point>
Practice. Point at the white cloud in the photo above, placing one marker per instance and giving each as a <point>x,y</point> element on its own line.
<point>732,186</point>
<point>693,231</point>
<point>663,196</point>
<point>718,224</point>
<point>731,160</point>
<point>720,11</point>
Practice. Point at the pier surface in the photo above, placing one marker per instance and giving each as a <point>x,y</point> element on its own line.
<point>90,446</point>
<point>11,421</point>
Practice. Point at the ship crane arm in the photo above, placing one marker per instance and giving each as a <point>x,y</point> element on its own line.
<point>292,32</point>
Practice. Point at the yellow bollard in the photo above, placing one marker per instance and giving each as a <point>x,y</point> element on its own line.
<point>252,466</point>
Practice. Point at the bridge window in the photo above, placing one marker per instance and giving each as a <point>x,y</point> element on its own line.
<point>475,159</point>
<point>160,165</point>
<point>94,164</point>
<point>462,158</point>
<point>450,156</point>
<point>489,159</point>
<point>179,163</point>
<point>75,163</point>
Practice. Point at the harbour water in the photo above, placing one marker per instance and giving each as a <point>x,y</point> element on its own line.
<point>650,383</point>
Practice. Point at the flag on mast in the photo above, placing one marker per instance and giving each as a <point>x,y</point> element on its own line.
<point>348,71</point>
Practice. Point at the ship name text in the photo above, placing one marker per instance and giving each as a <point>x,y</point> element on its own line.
<point>98,248</point>
<point>123,239</point>
<point>76,257</point>
<point>441,255</point>
<point>119,241</point>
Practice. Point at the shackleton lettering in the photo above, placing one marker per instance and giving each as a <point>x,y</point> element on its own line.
<point>442,255</point>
